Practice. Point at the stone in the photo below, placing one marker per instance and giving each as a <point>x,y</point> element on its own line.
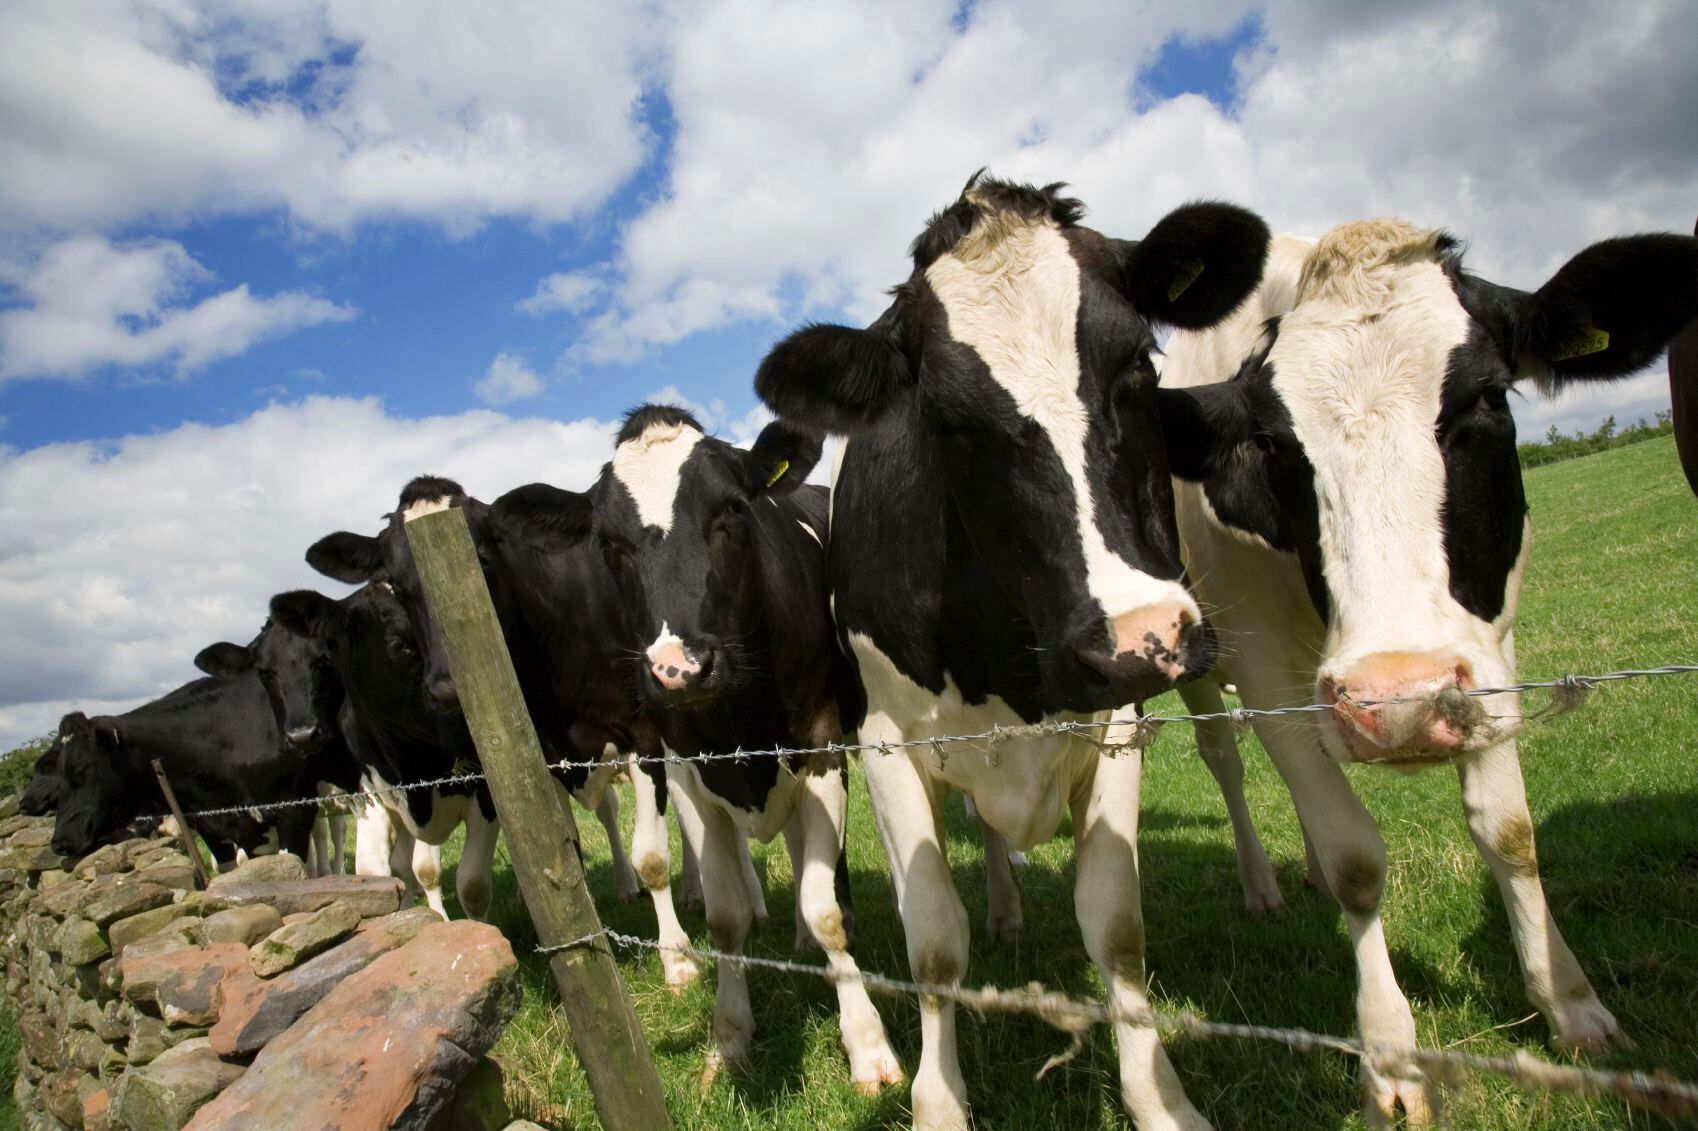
<point>279,868</point>
<point>85,1050</point>
<point>59,1096</point>
<point>152,852</point>
<point>256,1010</point>
<point>184,1050</point>
<point>132,899</point>
<point>293,943</point>
<point>175,1035</point>
<point>33,837</point>
<point>168,873</point>
<point>148,962</point>
<point>297,917</point>
<point>9,805</point>
<point>370,895</point>
<point>245,925</point>
<point>524,1125</point>
<point>125,931</point>
<point>163,1097</point>
<point>110,1024</point>
<point>147,1039</point>
<point>386,1047</point>
<point>102,861</point>
<point>96,1107</point>
<point>62,900</point>
<point>80,942</point>
<point>40,1039</point>
<point>190,994</point>
<point>23,1093</point>
<point>479,1103</point>
<point>52,878</point>
<point>10,825</point>
<point>31,859</point>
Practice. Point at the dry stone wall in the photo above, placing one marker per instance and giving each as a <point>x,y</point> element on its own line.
<point>268,1000</point>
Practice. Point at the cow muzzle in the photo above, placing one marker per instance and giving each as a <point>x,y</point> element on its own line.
<point>1148,651</point>
<point>679,674</point>
<point>1401,708</point>
<point>444,695</point>
<point>305,740</point>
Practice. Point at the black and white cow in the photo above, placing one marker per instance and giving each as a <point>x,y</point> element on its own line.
<point>289,667</point>
<point>1351,509</point>
<point>218,742</point>
<point>396,738</point>
<point>1002,551</point>
<point>563,614</point>
<point>738,653</point>
<point>1683,396</point>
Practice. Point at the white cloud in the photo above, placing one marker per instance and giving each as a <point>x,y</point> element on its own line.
<point>570,292</point>
<point>119,561</point>
<point>508,379</point>
<point>92,303</point>
<point>1583,407</point>
<point>337,112</point>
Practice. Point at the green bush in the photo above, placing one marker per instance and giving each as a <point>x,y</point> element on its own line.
<point>16,766</point>
<point>1556,447</point>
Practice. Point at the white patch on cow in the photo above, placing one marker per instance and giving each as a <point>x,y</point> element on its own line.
<point>812,533</point>
<point>666,639</point>
<point>425,506</point>
<point>1011,291</point>
<point>649,466</point>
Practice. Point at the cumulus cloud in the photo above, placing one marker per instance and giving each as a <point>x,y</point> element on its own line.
<point>119,561</point>
<point>508,379</point>
<point>571,292</point>
<point>91,303</point>
<point>445,112</point>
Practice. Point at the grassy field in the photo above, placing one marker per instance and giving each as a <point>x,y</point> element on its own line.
<point>1614,794</point>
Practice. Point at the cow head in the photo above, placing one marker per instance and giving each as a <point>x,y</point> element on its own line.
<point>41,795</point>
<point>368,636</point>
<point>293,671</point>
<point>96,793</point>
<point>699,512</point>
<point>1369,434</point>
<point>358,558</point>
<point>1018,353</point>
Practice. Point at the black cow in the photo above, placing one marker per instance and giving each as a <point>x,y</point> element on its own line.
<point>735,633</point>
<point>1003,552</point>
<point>1683,396</point>
<point>290,668</point>
<point>218,742</point>
<point>562,612</point>
<point>41,795</point>
<point>395,738</point>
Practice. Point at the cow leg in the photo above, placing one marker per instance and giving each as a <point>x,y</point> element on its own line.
<point>821,815</point>
<point>1494,798</point>
<point>373,836</point>
<point>318,855</point>
<point>729,916</point>
<point>793,844</point>
<point>1219,748</point>
<point>427,871</point>
<point>607,812</point>
<point>653,863</point>
<point>752,880</point>
<point>338,843</point>
<point>1352,859</point>
<point>690,879</point>
<point>474,878</point>
<point>907,808</point>
<point>1003,914</point>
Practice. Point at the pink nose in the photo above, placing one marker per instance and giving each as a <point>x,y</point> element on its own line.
<point>672,667</point>
<point>1153,632</point>
<point>1384,706</point>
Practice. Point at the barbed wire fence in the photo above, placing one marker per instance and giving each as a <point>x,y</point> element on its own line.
<point>1073,1017</point>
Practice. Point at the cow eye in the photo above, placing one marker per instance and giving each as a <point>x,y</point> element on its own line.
<point>1264,443</point>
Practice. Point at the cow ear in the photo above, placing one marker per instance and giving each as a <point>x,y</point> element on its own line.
<point>308,613</point>
<point>224,660</point>
<point>1199,425</point>
<point>834,378</point>
<point>346,556</point>
<point>1197,264</point>
<point>1609,311</point>
<point>781,459</point>
<point>543,517</point>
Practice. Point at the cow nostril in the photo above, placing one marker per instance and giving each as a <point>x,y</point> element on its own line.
<point>443,692</point>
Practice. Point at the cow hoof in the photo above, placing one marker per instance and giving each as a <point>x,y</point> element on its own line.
<point>717,1064</point>
<point>1262,901</point>
<point>870,1072</point>
<point>1384,1096</point>
<point>681,971</point>
<point>690,900</point>
<point>1586,1026</point>
<point>1004,926</point>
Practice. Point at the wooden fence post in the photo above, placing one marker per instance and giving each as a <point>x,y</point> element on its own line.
<point>541,832</point>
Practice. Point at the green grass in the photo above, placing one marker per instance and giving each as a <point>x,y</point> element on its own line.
<point>1614,794</point>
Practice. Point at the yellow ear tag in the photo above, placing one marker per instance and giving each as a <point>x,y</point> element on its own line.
<point>1589,340</point>
<point>778,471</point>
<point>1187,274</point>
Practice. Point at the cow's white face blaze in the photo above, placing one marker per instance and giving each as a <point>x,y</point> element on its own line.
<point>1011,291</point>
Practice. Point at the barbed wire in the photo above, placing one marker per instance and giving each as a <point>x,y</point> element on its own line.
<point>1074,1016</point>
<point>1570,690</point>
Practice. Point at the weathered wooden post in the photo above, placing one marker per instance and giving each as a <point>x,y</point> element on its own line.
<point>541,832</point>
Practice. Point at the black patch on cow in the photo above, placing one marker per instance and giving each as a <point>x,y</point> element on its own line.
<point>428,488</point>
<point>646,416</point>
<point>945,229</point>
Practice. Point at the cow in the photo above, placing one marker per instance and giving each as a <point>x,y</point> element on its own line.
<point>396,739</point>
<point>1683,396</point>
<point>1351,510</point>
<point>41,794</point>
<point>305,709</point>
<point>218,742</point>
<point>562,613</point>
<point>1003,553</point>
<point>734,631</point>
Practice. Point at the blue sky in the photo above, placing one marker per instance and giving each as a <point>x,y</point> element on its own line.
<point>261,263</point>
